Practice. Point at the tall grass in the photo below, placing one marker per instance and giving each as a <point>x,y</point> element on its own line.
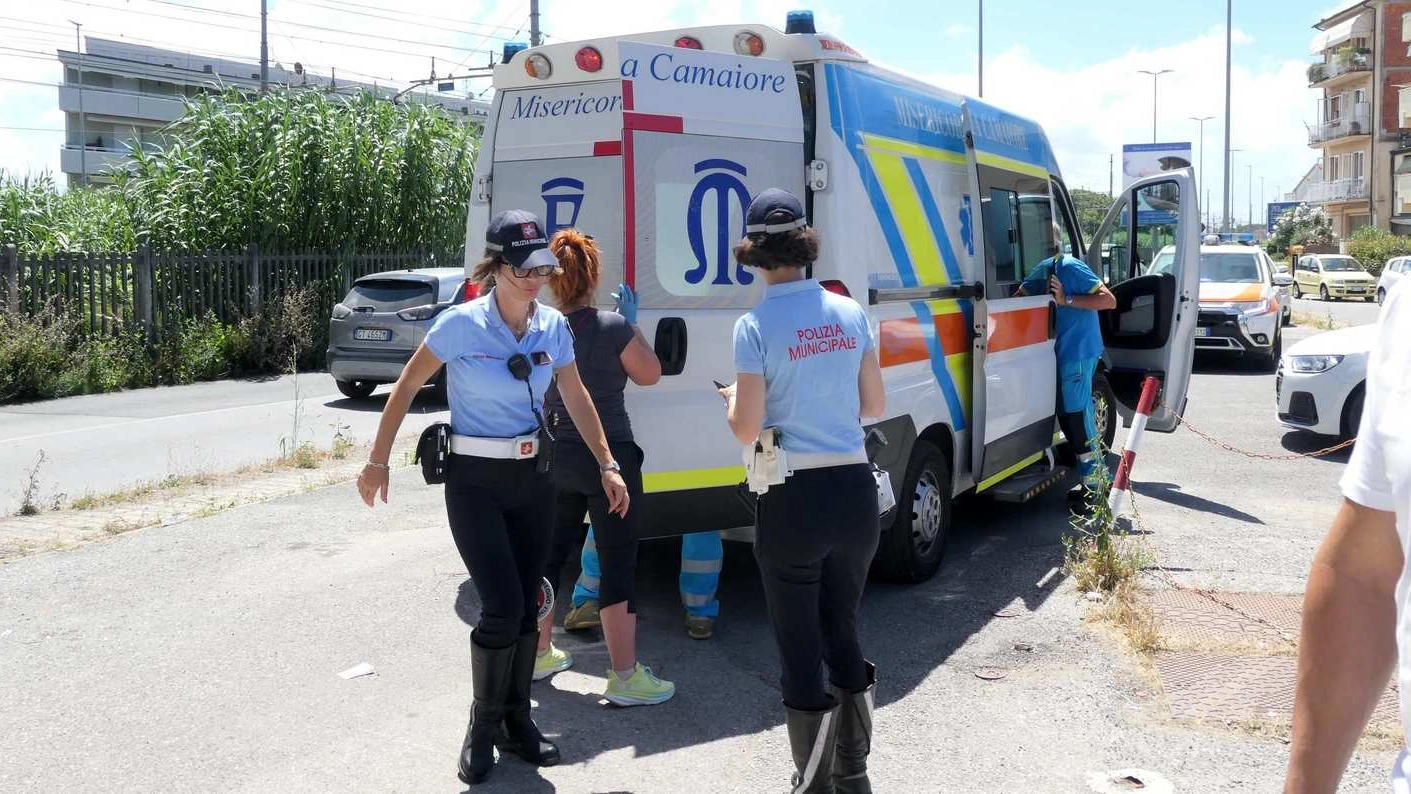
<point>39,219</point>
<point>301,170</point>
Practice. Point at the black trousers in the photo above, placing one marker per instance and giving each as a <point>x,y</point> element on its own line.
<point>501,516</point>
<point>578,489</point>
<point>814,539</point>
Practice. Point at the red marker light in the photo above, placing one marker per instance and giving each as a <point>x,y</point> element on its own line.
<point>747,43</point>
<point>589,59</point>
<point>689,43</point>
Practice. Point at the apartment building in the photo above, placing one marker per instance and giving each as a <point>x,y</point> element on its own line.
<point>129,93</point>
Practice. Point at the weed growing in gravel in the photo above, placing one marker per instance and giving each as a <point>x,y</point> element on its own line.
<point>1326,323</point>
<point>29,494</point>
<point>1098,561</point>
<point>342,441</point>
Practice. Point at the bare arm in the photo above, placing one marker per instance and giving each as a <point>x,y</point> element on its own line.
<point>870,388</point>
<point>1348,648</point>
<point>640,360</point>
<point>744,407</point>
<point>1101,300</point>
<point>585,418</point>
<point>373,480</point>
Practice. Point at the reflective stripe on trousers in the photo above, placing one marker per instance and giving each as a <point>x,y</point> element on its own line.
<point>701,558</point>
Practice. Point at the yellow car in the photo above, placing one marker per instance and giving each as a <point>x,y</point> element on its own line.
<point>1332,276</point>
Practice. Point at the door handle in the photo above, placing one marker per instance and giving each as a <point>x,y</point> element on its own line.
<point>670,345</point>
<point>1052,320</point>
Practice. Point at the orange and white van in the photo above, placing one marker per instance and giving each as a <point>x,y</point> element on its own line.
<point>931,207</point>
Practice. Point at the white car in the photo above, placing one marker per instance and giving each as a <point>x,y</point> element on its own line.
<point>1321,381</point>
<point>1391,274</point>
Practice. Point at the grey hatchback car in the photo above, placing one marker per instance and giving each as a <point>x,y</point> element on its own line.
<point>382,321</point>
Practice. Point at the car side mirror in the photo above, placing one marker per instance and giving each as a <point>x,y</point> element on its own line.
<point>1283,280</point>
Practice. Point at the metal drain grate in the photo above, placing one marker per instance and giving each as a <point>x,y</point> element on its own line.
<point>1232,688</point>
<point>1189,618</point>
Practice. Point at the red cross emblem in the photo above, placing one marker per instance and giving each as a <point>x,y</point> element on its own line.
<point>529,230</point>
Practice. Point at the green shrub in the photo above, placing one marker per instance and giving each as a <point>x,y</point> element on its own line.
<point>281,332</point>
<point>34,354</point>
<point>1372,247</point>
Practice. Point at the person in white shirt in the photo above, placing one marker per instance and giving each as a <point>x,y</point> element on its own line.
<point>1355,618</point>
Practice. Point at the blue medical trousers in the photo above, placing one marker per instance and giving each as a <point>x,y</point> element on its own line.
<point>701,557</point>
<point>1075,380</point>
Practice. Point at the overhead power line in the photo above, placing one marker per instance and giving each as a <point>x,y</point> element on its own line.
<point>440,22</point>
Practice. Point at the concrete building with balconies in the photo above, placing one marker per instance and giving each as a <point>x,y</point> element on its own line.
<point>1362,121</point>
<point>128,94</point>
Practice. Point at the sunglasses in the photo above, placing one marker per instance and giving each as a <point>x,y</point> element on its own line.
<point>542,271</point>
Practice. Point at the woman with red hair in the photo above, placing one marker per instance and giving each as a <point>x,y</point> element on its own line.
<point>610,349</point>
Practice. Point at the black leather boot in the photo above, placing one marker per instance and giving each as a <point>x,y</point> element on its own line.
<point>854,737</point>
<point>520,735</point>
<point>812,740</point>
<point>490,670</point>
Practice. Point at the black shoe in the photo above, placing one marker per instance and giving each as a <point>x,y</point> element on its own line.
<point>490,670</point>
<point>519,734</point>
<point>854,737</point>
<point>812,741</point>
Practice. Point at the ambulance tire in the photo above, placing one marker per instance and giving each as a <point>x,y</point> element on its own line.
<point>1107,419</point>
<point>910,550</point>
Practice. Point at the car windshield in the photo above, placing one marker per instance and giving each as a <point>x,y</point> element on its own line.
<point>1340,263</point>
<point>1223,268</point>
<point>388,295</point>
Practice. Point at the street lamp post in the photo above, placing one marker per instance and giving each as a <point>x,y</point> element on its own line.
<point>980,56</point>
<point>1201,121</point>
<point>1230,188</point>
<point>1154,75</point>
<point>1250,194</point>
<point>1229,36</point>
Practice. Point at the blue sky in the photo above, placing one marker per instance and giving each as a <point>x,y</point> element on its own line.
<point>1071,64</point>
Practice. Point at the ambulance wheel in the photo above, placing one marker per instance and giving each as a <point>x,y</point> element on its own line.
<point>910,549</point>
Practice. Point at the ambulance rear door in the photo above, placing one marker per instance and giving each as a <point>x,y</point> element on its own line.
<point>703,132</point>
<point>1152,330</point>
<point>557,152</point>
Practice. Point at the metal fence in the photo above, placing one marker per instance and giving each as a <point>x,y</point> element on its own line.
<point>158,291</point>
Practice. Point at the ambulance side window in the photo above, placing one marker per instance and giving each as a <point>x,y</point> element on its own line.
<point>1018,219</point>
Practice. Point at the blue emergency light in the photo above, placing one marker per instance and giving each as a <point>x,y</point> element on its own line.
<point>512,47</point>
<point>800,22</point>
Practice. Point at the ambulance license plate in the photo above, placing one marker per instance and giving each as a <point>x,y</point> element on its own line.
<point>372,334</point>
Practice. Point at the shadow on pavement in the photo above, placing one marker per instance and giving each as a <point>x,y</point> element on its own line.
<point>1207,363</point>
<point>425,401</point>
<point>996,555</point>
<point>1303,442</point>
<point>1171,493</point>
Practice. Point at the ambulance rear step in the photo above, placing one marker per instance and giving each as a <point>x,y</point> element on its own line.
<point>1030,483</point>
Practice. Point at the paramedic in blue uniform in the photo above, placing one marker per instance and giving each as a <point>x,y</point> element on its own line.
<point>499,506</point>
<point>806,367</point>
<point>1080,295</point>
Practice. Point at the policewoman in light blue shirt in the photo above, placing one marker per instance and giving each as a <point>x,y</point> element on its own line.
<point>499,505</point>
<point>806,367</point>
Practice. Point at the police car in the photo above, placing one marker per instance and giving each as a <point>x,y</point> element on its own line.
<point>931,208</point>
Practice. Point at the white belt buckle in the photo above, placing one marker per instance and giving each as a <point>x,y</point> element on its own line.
<point>526,447</point>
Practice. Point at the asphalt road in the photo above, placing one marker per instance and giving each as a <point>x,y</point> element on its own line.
<point>106,442</point>
<point>204,655</point>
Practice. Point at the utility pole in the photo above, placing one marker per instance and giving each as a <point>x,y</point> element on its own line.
<point>534,37</point>
<point>1109,175</point>
<point>1154,75</point>
<point>1263,204</point>
<point>264,46</point>
<point>1250,188</point>
<point>980,57</point>
<point>1229,189</point>
<point>82,119</point>
<point>1229,33</point>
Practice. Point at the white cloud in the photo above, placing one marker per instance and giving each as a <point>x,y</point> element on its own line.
<point>959,31</point>
<point>1091,111</point>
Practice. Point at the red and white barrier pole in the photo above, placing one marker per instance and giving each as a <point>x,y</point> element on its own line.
<point>1122,483</point>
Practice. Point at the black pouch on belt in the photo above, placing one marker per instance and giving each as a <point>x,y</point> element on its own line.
<point>433,451</point>
<point>544,463</point>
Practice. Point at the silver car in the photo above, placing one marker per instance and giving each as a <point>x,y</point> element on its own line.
<point>382,321</point>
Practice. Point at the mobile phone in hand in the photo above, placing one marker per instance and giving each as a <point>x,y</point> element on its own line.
<point>719,385</point>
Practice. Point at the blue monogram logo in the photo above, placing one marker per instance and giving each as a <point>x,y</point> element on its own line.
<point>720,177</point>
<point>561,208</point>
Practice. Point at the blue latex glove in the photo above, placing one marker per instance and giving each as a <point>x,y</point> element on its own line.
<point>626,303</point>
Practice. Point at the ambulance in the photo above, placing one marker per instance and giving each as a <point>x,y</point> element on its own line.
<point>930,206</point>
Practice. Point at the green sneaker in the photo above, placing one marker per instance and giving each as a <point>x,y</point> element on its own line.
<point>582,617</point>
<point>551,661</point>
<point>642,689</point>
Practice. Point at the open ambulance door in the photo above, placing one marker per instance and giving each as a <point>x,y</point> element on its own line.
<point>1152,330</point>
<point>702,134</point>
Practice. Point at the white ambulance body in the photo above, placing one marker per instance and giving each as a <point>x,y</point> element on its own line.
<point>931,207</point>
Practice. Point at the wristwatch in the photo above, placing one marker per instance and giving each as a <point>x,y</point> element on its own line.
<point>610,466</point>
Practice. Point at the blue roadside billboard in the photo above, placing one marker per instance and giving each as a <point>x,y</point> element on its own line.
<point>1276,210</point>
